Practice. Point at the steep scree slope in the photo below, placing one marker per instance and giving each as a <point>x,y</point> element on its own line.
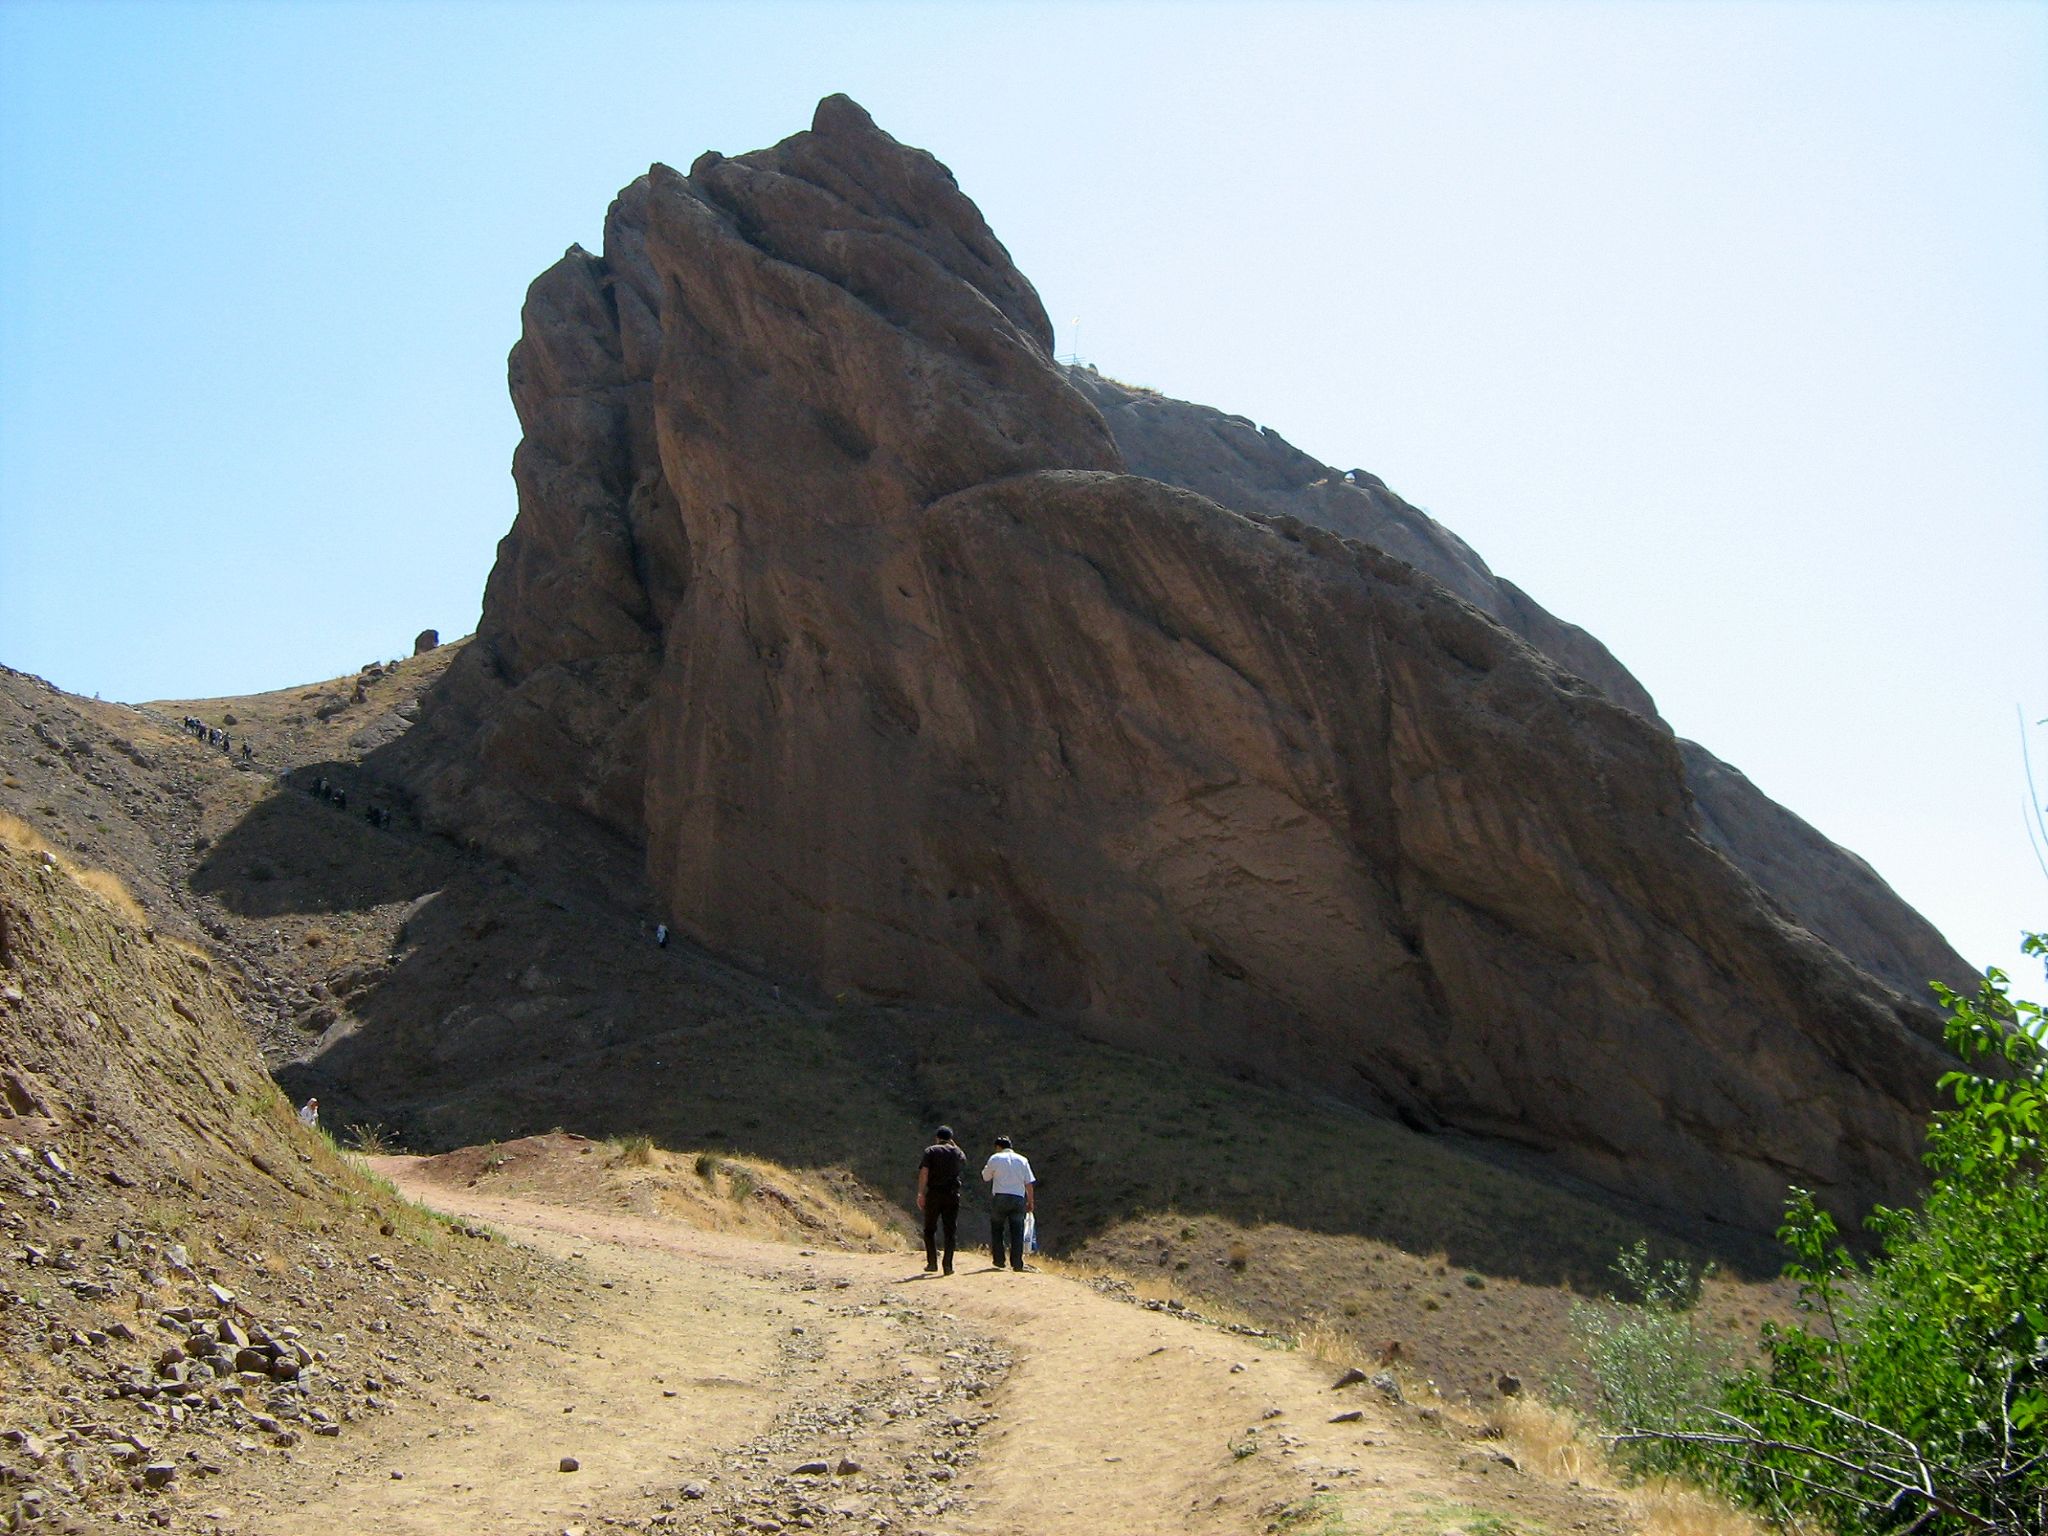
<point>829,587</point>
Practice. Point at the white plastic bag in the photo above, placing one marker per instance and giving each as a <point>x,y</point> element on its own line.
<point>1031,1232</point>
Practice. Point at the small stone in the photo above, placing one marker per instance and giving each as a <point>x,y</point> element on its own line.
<point>1388,1387</point>
<point>1237,1368</point>
<point>159,1474</point>
<point>694,1490</point>
<point>1350,1378</point>
<point>397,1476</point>
<point>570,1464</point>
<point>847,1466</point>
<point>813,1469</point>
<point>1508,1386</point>
<point>1351,1416</point>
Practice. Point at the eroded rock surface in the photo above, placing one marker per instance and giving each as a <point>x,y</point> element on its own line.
<point>833,591</point>
<point>1250,469</point>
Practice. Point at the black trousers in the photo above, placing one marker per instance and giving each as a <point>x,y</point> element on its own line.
<point>1006,1220</point>
<point>936,1214</point>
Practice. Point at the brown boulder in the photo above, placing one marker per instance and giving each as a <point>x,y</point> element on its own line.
<point>830,589</point>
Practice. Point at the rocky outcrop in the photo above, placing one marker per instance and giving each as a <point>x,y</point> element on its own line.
<point>1819,884</point>
<point>833,591</point>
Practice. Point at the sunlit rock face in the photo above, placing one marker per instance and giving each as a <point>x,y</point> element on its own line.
<point>918,664</point>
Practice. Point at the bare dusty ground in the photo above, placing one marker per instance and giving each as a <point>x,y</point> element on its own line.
<point>703,1369</point>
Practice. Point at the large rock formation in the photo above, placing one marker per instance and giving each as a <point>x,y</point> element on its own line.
<point>1254,470</point>
<point>912,673</point>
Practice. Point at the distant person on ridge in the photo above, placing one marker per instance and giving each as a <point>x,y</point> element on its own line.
<point>1012,1197</point>
<point>938,1194</point>
<point>661,935</point>
<point>309,1113</point>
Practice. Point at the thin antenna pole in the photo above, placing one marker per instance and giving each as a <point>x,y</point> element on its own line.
<point>2033,817</point>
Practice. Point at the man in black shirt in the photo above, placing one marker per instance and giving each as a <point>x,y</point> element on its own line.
<point>938,1194</point>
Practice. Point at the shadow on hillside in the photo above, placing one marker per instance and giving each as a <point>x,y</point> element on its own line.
<point>511,1004</point>
<point>297,851</point>
<point>506,1013</point>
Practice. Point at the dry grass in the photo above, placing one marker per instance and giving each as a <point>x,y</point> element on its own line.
<point>104,884</point>
<point>1673,1509</point>
<point>1320,1339</point>
<point>1550,1441</point>
<point>18,834</point>
<point>715,1191</point>
<point>1555,1443</point>
<point>750,1195</point>
<point>189,950</point>
<point>109,887</point>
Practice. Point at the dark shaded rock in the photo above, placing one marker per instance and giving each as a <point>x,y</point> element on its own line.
<point>829,589</point>
<point>426,640</point>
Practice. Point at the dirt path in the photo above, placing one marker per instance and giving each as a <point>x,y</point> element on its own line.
<point>706,1369</point>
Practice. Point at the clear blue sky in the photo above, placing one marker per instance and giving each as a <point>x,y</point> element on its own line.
<point>1722,328</point>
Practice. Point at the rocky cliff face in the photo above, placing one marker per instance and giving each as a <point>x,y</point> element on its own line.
<point>1823,887</point>
<point>920,665</point>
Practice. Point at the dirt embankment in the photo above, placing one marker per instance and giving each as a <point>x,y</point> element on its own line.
<point>191,1282</point>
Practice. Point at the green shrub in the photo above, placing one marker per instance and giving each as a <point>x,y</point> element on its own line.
<point>1919,1400</point>
<point>1649,1362</point>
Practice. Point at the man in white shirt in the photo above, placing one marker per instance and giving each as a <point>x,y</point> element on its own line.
<point>1011,1199</point>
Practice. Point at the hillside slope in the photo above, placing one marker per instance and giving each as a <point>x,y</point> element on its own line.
<point>190,1281</point>
<point>456,998</point>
